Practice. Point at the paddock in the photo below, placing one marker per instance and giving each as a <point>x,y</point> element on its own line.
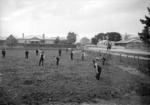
<point>23,82</point>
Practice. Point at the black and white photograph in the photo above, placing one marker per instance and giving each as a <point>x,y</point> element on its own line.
<point>74,52</point>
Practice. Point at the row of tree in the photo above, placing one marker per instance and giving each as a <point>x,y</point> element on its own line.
<point>115,36</point>
<point>71,39</point>
<point>111,36</point>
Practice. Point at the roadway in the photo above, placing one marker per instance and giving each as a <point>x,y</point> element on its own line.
<point>124,52</point>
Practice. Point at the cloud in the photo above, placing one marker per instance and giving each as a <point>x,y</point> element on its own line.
<point>81,16</point>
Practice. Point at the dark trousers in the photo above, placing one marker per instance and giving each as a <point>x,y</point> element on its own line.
<point>36,53</point>
<point>82,57</point>
<point>57,62</point>
<point>98,75</point>
<point>103,61</point>
<point>71,57</point>
<point>41,61</point>
<point>3,55</point>
<point>59,53</point>
<point>26,56</point>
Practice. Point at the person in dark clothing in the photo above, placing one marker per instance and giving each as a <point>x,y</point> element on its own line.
<point>98,70</point>
<point>104,60</point>
<point>57,60</point>
<point>26,54</point>
<point>67,50</point>
<point>83,55</point>
<point>42,57</point>
<point>59,52</point>
<point>71,55</point>
<point>3,53</point>
<point>37,52</point>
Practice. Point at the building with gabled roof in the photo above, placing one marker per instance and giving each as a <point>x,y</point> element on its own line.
<point>36,40</point>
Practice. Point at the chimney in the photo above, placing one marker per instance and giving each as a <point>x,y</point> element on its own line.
<point>23,35</point>
<point>43,36</point>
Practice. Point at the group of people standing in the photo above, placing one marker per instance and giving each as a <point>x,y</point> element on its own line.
<point>41,55</point>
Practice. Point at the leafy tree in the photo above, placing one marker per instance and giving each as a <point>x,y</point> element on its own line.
<point>84,41</point>
<point>94,41</point>
<point>127,36</point>
<point>145,35</point>
<point>11,41</point>
<point>71,37</point>
<point>113,36</point>
<point>100,36</point>
<point>57,40</point>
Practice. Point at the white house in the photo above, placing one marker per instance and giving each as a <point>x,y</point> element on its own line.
<point>36,40</point>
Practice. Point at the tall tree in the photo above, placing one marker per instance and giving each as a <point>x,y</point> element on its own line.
<point>57,40</point>
<point>84,41</point>
<point>100,36</point>
<point>145,35</point>
<point>127,36</point>
<point>11,41</point>
<point>71,37</point>
<point>113,36</point>
<point>94,41</point>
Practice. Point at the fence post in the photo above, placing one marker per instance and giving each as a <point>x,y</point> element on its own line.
<point>134,60</point>
<point>138,62</point>
<point>127,60</point>
<point>113,58</point>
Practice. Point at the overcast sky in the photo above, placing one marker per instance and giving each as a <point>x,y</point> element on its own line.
<point>58,17</point>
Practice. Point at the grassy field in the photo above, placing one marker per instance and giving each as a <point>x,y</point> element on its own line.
<point>23,82</point>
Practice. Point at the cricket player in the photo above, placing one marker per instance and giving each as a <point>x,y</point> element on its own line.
<point>42,57</point>
<point>26,54</point>
<point>3,53</point>
<point>59,52</point>
<point>98,70</point>
<point>83,55</point>
<point>71,54</point>
<point>57,60</point>
<point>37,51</point>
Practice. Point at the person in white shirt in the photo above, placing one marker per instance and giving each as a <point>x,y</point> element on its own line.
<point>42,57</point>
<point>71,55</point>
<point>57,60</point>
<point>98,70</point>
<point>83,55</point>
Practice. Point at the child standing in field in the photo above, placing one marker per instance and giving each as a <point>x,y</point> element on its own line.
<point>59,52</point>
<point>42,57</point>
<point>37,51</point>
<point>71,55</point>
<point>83,55</point>
<point>104,60</point>
<point>57,60</point>
<point>26,54</point>
<point>3,53</point>
<point>98,70</point>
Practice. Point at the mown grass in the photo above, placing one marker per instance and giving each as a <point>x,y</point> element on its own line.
<point>23,82</point>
